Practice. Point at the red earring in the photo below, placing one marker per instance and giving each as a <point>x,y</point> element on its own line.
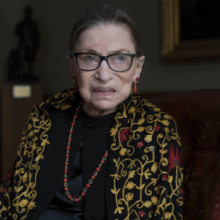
<point>135,86</point>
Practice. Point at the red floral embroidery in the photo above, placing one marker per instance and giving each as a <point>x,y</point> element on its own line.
<point>8,175</point>
<point>141,213</point>
<point>174,159</point>
<point>124,134</point>
<point>165,177</point>
<point>140,144</point>
<point>3,190</point>
<point>157,128</point>
<point>181,189</point>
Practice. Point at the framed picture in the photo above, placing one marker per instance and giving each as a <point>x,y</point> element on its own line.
<point>190,30</point>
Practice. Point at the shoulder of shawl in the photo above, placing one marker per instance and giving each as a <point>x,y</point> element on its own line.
<point>62,100</point>
<point>144,113</point>
<point>140,106</point>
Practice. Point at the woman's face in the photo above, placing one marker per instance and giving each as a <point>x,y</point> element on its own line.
<point>105,40</point>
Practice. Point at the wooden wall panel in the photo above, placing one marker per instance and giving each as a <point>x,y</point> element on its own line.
<point>14,115</point>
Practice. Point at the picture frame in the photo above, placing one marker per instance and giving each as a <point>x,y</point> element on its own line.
<point>173,49</point>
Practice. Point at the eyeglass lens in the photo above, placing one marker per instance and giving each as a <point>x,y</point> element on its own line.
<point>119,62</point>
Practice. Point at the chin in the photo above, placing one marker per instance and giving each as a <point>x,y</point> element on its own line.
<point>106,106</point>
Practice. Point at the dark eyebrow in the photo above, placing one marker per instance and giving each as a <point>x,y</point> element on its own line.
<point>111,52</point>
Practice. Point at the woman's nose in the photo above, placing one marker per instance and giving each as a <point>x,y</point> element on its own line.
<point>104,63</point>
<point>104,70</point>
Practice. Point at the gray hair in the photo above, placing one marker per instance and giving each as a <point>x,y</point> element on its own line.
<point>103,15</point>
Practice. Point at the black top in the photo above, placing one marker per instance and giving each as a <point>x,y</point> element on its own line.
<point>89,137</point>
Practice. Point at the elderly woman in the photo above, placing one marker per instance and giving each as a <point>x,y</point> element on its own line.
<point>98,151</point>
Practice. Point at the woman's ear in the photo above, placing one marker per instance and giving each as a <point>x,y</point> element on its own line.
<point>140,63</point>
<point>138,67</point>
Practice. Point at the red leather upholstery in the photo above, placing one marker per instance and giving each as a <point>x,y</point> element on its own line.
<point>197,114</point>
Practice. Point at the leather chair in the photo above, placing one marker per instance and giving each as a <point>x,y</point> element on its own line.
<point>197,114</point>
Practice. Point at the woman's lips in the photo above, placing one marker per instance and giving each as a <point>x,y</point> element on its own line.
<point>104,93</point>
<point>103,89</point>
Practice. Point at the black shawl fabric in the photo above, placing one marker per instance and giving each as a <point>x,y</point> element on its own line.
<point>144,170</point>
<point>90,141</point>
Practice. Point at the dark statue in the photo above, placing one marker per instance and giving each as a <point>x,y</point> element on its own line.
<point>21,60</point>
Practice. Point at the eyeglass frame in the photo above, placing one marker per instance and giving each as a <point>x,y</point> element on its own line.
<point>105,58</point>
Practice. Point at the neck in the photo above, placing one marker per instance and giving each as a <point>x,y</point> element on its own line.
<point>96,112</point>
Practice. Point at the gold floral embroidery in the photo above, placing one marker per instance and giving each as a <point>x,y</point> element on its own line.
<point>154,168</point>
<point>138,176</point>
<point>148,138</point>
<point>131,185</point>
<point>148,170</point>
<point>168,215</point>
<point>28,174</point>
<point>123,151</point>
<point>154,200</point>
<point>129,196</point>
<point>148,204</point>
<point>31,149</point>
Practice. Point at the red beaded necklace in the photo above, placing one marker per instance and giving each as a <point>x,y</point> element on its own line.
<point>67,163</point>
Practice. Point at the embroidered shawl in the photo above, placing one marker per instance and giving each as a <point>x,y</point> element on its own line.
<point>145,175</point>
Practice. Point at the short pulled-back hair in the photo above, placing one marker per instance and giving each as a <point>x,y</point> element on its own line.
<point>105,14</point>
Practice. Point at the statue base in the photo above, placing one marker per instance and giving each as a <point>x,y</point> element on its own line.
<point>25,78</point>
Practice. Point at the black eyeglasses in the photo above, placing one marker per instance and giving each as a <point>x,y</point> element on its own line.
<point>116,62</point>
